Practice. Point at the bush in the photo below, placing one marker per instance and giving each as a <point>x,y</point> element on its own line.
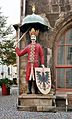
<point>6,81</point>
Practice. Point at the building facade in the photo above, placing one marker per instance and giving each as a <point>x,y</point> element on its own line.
<point>57,42</point>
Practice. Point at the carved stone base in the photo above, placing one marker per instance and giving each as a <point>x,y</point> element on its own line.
<point>36,102</point>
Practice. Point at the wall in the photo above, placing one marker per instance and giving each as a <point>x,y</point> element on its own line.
<point>52,10</point>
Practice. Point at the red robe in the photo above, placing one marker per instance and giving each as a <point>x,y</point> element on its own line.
<point>34,53</point>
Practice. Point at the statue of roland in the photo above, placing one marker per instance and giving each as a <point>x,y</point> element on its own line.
<point>35,52</point>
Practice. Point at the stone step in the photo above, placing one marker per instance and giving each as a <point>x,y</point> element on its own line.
<point>35,102</point>
<point>37,108</point>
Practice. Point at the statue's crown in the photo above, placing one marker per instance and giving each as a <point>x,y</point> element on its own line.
<point>34,32</point>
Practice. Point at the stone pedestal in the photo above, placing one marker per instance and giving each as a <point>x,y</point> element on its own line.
<point>36,102</point>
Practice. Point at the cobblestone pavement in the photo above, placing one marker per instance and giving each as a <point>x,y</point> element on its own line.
<point>8,110</point>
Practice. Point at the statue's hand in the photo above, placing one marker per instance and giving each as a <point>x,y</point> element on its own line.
<point>43,66</point>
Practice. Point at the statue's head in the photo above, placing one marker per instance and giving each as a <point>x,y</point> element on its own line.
<point>33,33</point>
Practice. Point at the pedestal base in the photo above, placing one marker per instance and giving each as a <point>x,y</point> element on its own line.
<point>36,102</point>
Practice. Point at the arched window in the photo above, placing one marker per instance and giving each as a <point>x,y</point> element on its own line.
<point>63,60</point>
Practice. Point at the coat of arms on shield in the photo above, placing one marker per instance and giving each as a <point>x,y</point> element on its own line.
<point>43,79</point>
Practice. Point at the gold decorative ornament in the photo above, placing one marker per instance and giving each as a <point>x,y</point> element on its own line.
<point>33,32</point>
<point>33,8</point>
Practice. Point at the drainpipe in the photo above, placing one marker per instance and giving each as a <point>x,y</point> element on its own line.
<point>16,26</point>
<point>22,10</point>
<point>18,64</point>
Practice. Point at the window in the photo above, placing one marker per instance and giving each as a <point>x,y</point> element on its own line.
<point>63,60</point>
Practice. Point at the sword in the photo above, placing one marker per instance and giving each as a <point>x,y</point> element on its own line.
<point>21,38</point>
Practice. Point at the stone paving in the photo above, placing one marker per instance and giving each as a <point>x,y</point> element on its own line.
<point>8,110</point>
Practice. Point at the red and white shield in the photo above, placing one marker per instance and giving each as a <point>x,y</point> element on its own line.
<point>43,79</point>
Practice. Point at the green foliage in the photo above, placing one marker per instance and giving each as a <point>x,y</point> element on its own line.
<point>7,53</point>
<point>6,81</point>
<point>4,29</point>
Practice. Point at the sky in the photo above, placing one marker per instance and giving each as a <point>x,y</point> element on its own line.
<point>11,9</point>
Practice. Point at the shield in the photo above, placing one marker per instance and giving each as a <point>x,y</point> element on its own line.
<point>43,79</point>
<point>34,21</point>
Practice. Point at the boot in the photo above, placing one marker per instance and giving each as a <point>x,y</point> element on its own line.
<point>29,87</point>
<point>35,87</point>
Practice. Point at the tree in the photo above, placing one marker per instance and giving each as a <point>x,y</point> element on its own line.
<point>4,29</point>
<point>7,54</point>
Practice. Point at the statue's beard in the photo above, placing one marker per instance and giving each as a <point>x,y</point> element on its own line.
<point>33,37</point>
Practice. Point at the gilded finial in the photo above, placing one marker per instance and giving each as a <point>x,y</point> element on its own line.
<point>33,8</point>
